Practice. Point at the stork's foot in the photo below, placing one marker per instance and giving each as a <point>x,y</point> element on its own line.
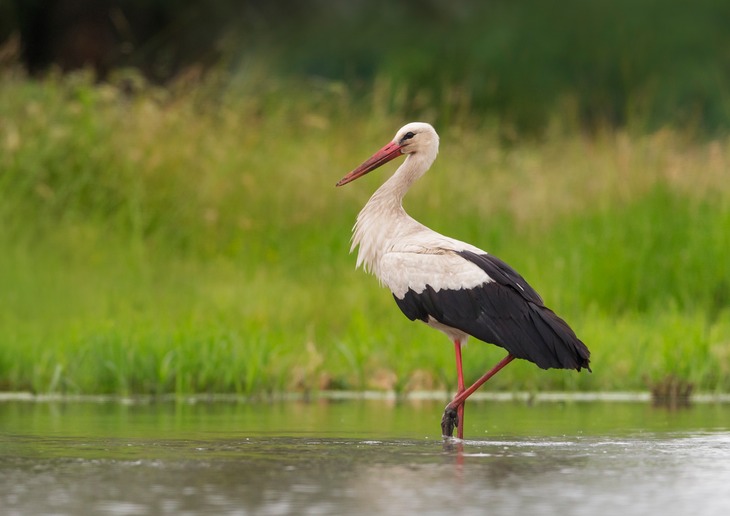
<point>449,421</point>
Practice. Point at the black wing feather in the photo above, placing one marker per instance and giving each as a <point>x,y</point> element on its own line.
<point>507,312</point>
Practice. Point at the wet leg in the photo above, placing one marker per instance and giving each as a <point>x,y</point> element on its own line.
<point>459,389</point>
<point>450,418</point>
<point>456,417</point>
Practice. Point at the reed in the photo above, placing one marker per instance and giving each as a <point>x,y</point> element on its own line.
<point>191,240</point>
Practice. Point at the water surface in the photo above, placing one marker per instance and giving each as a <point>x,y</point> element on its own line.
<point>362,457</point>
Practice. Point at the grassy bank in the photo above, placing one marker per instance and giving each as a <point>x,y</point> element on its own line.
<point>191,240</point>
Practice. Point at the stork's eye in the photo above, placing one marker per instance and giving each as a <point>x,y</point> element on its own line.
<point>407,136</point>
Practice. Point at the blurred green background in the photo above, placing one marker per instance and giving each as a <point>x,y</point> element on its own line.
<point>168,221</point>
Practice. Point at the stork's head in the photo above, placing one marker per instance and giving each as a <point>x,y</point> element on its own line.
<point>417,139</point>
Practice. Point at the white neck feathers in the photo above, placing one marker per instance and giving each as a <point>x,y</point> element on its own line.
<point>383,218</point>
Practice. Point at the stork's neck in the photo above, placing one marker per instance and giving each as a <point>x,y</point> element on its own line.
<point>391,193</point>
<point>383,218</point>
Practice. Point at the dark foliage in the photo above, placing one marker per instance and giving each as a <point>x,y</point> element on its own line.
<point>605,62</point>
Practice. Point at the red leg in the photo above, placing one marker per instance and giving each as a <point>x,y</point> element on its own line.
<point>459,389</point>
<point>451,411</point>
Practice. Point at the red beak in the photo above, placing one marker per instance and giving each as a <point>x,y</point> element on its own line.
<point>384,155</point>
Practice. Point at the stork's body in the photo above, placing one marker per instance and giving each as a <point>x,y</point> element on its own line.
<point>451,285</point>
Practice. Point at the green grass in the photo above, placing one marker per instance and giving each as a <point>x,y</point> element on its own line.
<point>191,240</point>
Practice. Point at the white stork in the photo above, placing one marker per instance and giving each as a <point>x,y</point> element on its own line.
<point>451,285</point>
